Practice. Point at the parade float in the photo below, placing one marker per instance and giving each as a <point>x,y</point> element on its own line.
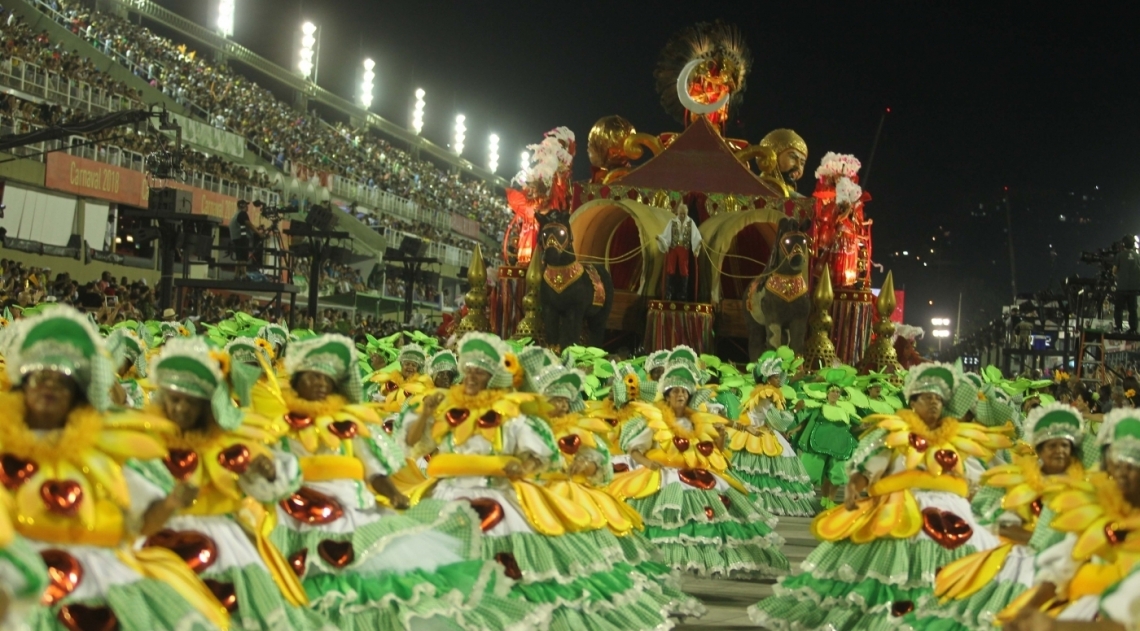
<point>687,237</point>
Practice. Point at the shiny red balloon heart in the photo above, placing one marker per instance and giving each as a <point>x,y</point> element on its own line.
<point>945,528</point>
<point>709,512</point>
<point>298,421</point>
<point>946,458</point>
<point>336,553</point>
<point>196,549</point>
<point>682,444</point>
<point>620,467</point>
<point>724,500</point>
<point>62,497</point>
<point>490,420</point>
<point>570,444</point>
<point>706,448</point>
<point>76,617</point>
<point>224,592</point>
<point>235,458</point>
<point>455,416</point>
<point>181,463</point>
<point>699,478</point>
<point>344,430</point>
<point>918,442</point>
<point>312,507</point>
<point>15,471</point>
<point>64,575</point>
<point>1114,535</point>
<point>1036,507</point>
<point>510,565</point>
<point>900,608</point>
<point>389,426</point>
<point>297,562</point>
<point>490,512</point>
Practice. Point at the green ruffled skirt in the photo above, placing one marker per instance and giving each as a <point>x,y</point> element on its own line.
<point>711,532</point>
<point>144,605</point>
<point>781,485</point>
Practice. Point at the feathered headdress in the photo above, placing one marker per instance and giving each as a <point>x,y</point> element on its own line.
<point>722,50</point>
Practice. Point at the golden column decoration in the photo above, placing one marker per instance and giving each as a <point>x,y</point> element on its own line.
<point>476,318</point>
<point>881,355</point>
<point>819,352</point>
<point>531,324</point>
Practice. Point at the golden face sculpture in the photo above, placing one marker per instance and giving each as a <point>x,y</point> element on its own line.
<point>791,163</point>
<point>606,143</point>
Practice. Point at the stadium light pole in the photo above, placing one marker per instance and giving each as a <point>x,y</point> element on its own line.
<point>524,161</point>
<point>418,112</point>
<point>366,83</point>
<point>310,51</point>
<point>226,17</point>
<point>493,153</point>
<point>460,134</point>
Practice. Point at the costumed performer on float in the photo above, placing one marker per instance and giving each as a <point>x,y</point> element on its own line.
<point>443,368</point>
<point>365,566</point>
<point>905,515</point>
<point>679,239</point>
<point>694,510</point>
<point>75,501</point>
<point>1098,516</point>
<point>129,352</point>
<point>226,456</point>
<point>824,438</point>
<point>491,454</point>
<point>655,364</point>
<point>762,458</point>
<point>970,591</point>
<point>629,396</point>
<point>396,385</point>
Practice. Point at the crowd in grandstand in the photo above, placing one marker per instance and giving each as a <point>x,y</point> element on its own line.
<point>297,142</point>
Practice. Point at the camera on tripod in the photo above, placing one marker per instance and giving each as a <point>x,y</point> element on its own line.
<point>164,164</point>
<point>273,213</point>
<point>1105,258</point>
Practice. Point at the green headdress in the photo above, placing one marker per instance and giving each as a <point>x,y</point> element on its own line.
<point>443,361</point>
<point>1056,420</point>
<point>678,375</point>
<point>941,379</point>
<point>485,352</point>
<point>656,359</point>
<point>684,355</point>
<point>412,353</point>
<point>331,355</point>
<point>124,344</point>
<point>1121,432</point>
<point>187,366</point>
<point>276,334</point>
<point>563,382</point>
<point>627,381</point>
<point>62,340</point>
<point>539,365</point>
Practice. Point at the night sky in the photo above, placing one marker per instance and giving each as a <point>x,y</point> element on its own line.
<point>1040,100</point>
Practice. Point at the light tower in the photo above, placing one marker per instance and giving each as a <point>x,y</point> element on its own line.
<point>310,48</point>
<point>366,83</point>
<point>493,153</point>
<point>460,134</point>
<point>418,112</point>
<point>226,17</point>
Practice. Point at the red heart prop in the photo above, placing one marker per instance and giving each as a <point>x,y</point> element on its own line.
<point>1036,507</point>
<point>390,387</point>
<point>298,421</point>
<point>389,426</point>
<point>62,497</point>
<point>682,444</point>
<point>297,562</point>
<point>455,416</point>
<point>510,565</point>
<point>224,592</point>
<point>312,507</point>
<point>76,617</point>
<point>336,553</point>
<point>946,458</point>
<point>344,430</point>
<point>699,478</point>
<point>570,444</point>
<point>900,608</point>
<point>235,458</point>
<point>65,574</point>
<point>196,549</point>
<point>181,463</point>
<point>490,512</point>
<point>620,467</point>
<point>724,500</point>
<point>706,448</point>
<point>1114,535</point>
<point>14,471</point>
<point>919,443</point>
<point>490,419</point>
<point>612,421</point>
<point>709,512</point>
<point>945,528</point>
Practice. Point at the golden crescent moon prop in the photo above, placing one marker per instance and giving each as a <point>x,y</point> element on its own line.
<point>688,101</point>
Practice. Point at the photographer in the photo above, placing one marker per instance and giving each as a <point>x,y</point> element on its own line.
<point>1127,284</point>
<point>241,233</point>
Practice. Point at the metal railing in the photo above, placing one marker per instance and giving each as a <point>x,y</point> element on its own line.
<point>35,80</point>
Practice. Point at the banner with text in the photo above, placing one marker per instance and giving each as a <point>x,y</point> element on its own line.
<point>89,178</point>
<point>208,136</point>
